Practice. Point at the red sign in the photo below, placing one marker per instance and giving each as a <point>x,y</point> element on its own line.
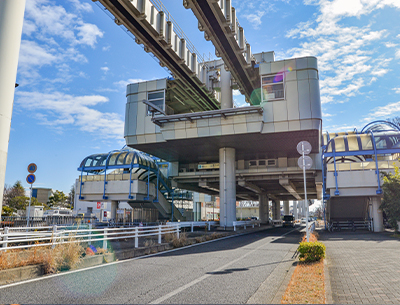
<point>98,205</point>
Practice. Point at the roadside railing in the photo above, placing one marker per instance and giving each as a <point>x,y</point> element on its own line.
<point>278,222</point>
<point>193,224</point>
<point>311,226</point>
<point>245,223</point>
<point>28,237</point>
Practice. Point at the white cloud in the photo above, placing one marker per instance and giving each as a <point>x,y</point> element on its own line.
<point>88,34</point>
<point>106,48</point>
<point>58,109</point>
<point>105,69</point>
<point>124,83</point>
<point>347,60</point>
<point>398,54</point>
<point>390,45</point>
<point>255,19</point>
<point>53,20</point>
<point>32,54</point>
<point>86,7</point>
<point>236,92</point>
<point>383,112</point>
<point>397,90</point>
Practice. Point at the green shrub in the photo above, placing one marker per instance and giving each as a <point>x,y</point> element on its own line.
<point>311,251</point>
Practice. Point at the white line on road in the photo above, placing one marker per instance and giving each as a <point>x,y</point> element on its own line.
<point>194,282</point>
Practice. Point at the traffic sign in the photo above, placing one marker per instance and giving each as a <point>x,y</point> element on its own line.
<point>30,178</point>
<point>306,164</point>
<point>304,147</point>
<point>32,168</point>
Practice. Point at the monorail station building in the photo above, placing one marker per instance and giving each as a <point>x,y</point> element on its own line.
<point>237,153</point>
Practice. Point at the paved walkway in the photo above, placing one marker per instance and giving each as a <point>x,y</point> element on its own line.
<point>364,267</point>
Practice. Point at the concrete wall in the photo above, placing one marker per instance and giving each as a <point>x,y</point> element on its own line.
<point>299,110</point>
<point>301,107</point>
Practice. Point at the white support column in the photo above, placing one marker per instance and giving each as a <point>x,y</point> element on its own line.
<point>263,208</point>
<point>276,210</point>
<point>377,214</point>
<point>114,207</point>
<point>295,213</point>
<point>286,209</point>
<point>227,186</point>
<point>11,20</point>
<point>226,90</point>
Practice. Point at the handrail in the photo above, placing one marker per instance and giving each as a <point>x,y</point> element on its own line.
<point>53,236</point>
<point>245,223</point>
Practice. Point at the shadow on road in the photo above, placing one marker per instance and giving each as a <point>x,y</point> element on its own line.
<point>239,241</point>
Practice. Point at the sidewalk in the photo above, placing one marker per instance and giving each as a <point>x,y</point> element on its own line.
<point>364,267</point>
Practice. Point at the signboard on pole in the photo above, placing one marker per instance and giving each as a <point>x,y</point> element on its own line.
<point>32,168</point>
<point>30,178</point>
<point>305,162</point>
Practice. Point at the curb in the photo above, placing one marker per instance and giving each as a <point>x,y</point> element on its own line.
<point>328,289</point>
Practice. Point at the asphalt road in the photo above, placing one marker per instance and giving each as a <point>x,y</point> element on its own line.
<point>227,271</point>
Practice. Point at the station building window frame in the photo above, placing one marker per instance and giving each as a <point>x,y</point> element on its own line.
<point>157,99</point>
<point>271,84</point>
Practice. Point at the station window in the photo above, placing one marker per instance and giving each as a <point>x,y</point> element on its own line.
<point>273,87</point>
<point>157,98</point>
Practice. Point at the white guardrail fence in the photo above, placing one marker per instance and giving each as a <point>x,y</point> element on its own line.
<point>245,223</point>
<point>17,238</point>
<point>193,224</point>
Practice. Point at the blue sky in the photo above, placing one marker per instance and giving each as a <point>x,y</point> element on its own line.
<point>75,63</point>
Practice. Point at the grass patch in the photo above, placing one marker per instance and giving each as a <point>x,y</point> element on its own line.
<point>307,285</point>
<point>62,257</point>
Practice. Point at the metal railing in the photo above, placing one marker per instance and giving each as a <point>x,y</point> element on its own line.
<point>193,224</point>
<point>245,223</point>
<point>28,237</point>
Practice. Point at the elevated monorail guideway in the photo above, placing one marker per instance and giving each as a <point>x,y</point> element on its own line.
<point>153,27</point>
<point>217,18</point>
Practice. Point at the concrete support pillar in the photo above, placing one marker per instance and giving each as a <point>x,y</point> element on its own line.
<point>377,214</point>
<point>114,207</point>
<point>227,186</point>
<point>226,89</point>
<point>295,212</point>
<point>263,208</point>
<point>11,20</point>
<point>276,210</point>
<point>286,210</point>
<point>302,210</point>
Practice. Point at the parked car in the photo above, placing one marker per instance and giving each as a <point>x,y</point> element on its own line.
<point>288,221</point>
<point>303,220</point>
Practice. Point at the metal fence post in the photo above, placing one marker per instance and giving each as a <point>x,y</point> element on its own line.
<point>177,230</point>
<point>5,238</point>
<point>136,237</point>
<point>54,236</point>
<point>90,233</point>
<point>191,225</point>
<point>159,234</point>
<point>209,226</point>
<point>105,239</point>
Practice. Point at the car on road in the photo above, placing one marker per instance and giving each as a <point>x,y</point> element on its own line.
<point>303,220</point>
<point>288,221</point>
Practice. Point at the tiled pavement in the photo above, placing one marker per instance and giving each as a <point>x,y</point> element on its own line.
<point>364,267</point>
